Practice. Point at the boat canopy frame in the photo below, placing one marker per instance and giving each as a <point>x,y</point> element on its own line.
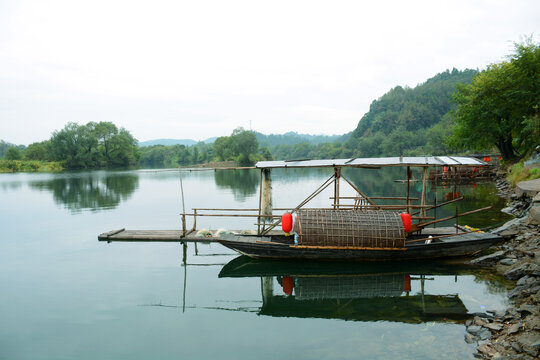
<point>362,201</point>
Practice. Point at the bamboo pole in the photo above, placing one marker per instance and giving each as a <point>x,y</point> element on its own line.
<point>231,215</point>
<point>374,197</point>
<point>437,237</point>
<point>431,207</point>
<point>423,198</point>
<point>408,187</point>
<point>368,199</point>
<point>449,217</point>
<point>260,204</point>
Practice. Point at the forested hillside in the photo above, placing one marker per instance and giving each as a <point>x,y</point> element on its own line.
<point>293,138</point>
<point>409,121</point>
<point>404,121</point>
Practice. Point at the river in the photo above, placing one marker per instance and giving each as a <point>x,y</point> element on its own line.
<point>65,295</point>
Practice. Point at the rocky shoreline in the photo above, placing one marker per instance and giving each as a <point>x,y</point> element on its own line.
<point>515,332</point>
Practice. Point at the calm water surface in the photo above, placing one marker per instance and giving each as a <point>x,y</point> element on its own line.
<point>67,296</point>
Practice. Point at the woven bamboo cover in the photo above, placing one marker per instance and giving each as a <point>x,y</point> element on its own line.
<point>350,228</point>
<point>348,287</point>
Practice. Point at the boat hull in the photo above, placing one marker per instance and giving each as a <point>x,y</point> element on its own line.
<point>455,246</point>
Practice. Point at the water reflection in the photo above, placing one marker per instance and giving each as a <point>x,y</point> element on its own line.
<point>351,291</point>
<point>89,191</point>
<point>243,183</point>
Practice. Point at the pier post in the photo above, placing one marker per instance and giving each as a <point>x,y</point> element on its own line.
<point>337,175</point>
<point>184,253</point>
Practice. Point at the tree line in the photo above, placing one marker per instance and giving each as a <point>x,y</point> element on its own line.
<point>94,145</point>
<point>241,147</point>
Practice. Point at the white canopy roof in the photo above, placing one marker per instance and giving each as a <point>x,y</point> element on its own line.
<point>375,162</point>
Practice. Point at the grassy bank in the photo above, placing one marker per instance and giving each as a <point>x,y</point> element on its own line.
<point>518,172</point>
<point>10,166</point>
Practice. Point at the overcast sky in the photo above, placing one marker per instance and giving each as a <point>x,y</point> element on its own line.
<point>197,69</point>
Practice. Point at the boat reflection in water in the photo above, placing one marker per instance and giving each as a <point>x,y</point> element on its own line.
<point>351,291</point>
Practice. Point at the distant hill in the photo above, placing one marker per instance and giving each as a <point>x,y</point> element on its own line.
<point>264,140</point>
<point>293,138</point>
<point>167,142</point>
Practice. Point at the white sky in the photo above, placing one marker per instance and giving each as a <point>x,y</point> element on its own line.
<point>197,69</point>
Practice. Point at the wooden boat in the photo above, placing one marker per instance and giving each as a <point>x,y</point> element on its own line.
<point>363,230</point>
<point>351,228</point>
<point>281,247</point>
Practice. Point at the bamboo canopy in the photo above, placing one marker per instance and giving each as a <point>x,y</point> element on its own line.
<point>422,161</point>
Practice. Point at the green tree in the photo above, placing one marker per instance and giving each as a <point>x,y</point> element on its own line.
<point>244,145</point>
<point>104,132</point>
<point>37,151</point>
<point>223,149</point>
<point>94,145</point>
<point>123,149</point>
<point>500,106</point>
<point>13,153</point>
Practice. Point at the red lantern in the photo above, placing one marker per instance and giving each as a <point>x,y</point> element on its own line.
<point>445,169</point>
<point>288,285</point>
<point>406,219</point>
<point>475,169</point>
<point>286,223</point>
<point>407,285</point>
<point>488,158</point>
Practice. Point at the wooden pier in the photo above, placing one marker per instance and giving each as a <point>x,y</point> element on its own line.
<point>160,236</point>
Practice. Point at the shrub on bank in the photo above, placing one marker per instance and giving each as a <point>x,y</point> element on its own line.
<point>7,166</point>
<point>518,172</point>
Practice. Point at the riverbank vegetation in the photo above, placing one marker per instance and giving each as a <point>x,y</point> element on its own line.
<point>90,146</point>
<point>518,172</point>
<point>8,166</point>
<point>499,109</point>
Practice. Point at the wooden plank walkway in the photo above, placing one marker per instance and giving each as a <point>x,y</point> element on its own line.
<point>158,236</point>
<point>176,235</point>
<point>152,235</point>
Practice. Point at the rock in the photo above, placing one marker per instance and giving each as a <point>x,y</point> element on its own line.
<point>529,188</point>
<point>510,228</point>
<point>484,334</point>
<point>514,328</point>
<point>534,216</point>
<point>528,308</point>
<point>484,349</point>
<point>516,347</point>
<point>536,199</point>
<point>493,326</point>
<point>478,321</point>
<point>469,338</point>
<point>527,340</point>
<point>518,272</point>
<point>474,330</point>
<point>508,261</point>
<point>522,281</point>
<point>488,259</point>
<point>518,292</point>
<point>508,210</point>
